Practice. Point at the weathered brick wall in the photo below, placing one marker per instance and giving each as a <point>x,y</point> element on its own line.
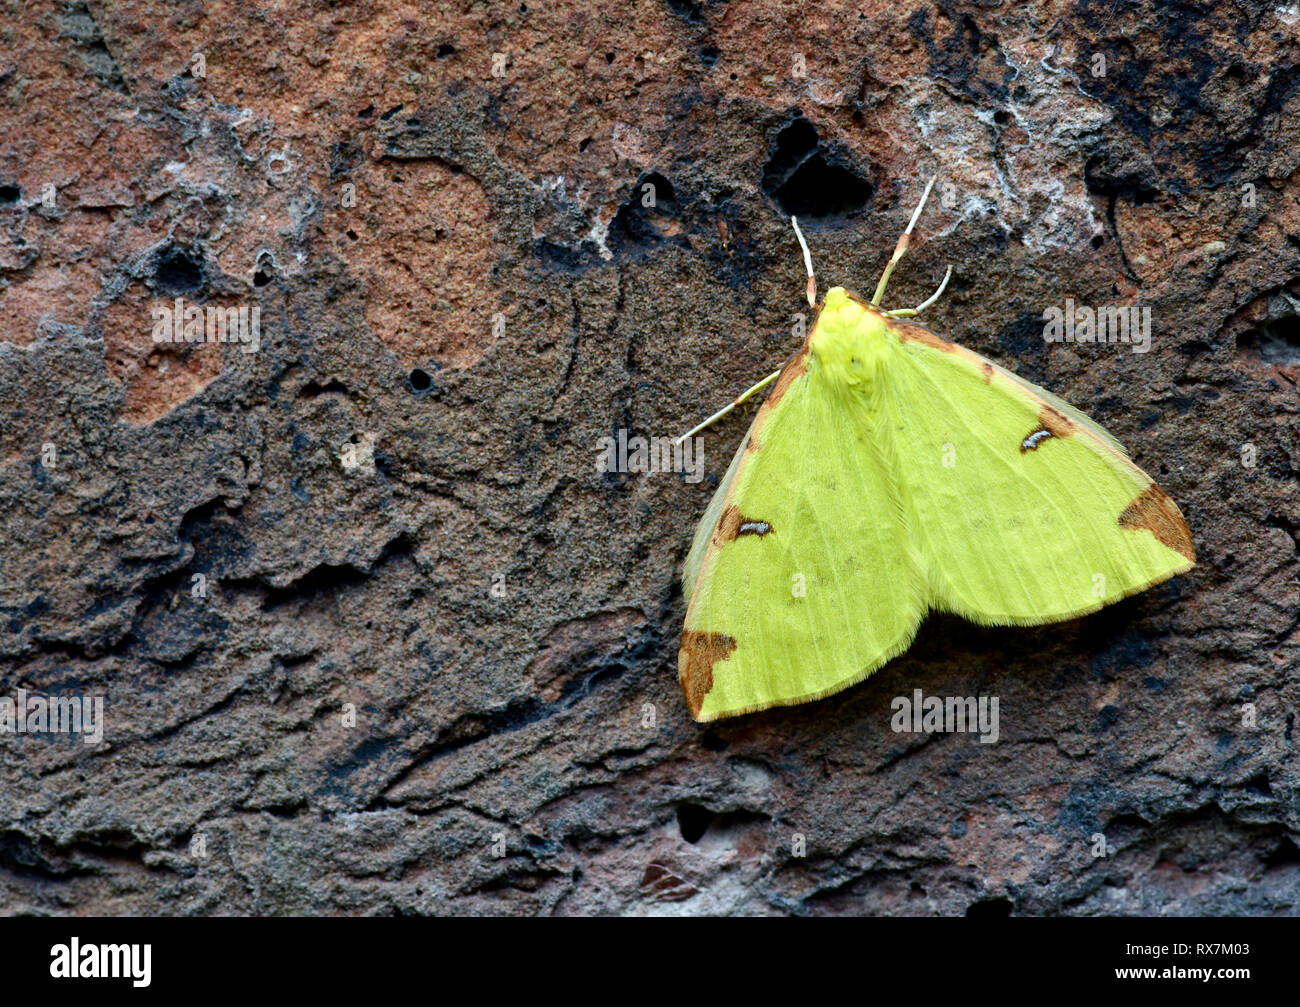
<point>392,506</point>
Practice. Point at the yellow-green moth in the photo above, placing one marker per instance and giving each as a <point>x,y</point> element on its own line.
<point>891,472</point>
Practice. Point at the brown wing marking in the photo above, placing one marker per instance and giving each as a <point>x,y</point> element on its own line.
<point>1153,510</point>
<point>699,653</point>
<point>733,524</point>
<point>794,368</point>
<point>908,333</point>
<point>1051,423</point>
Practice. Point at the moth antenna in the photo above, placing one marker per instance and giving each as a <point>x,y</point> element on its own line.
<point>909,312</point>
<point>904,240</point>
<point>726,409</point>
<point>807,261</point>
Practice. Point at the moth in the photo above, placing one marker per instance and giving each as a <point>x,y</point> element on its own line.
<point>891,472</point>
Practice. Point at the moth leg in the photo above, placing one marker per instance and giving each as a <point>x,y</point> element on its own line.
<point>904,240</point>
<point>909,312</point>
<point>726,409</point>
<point>811,293</point>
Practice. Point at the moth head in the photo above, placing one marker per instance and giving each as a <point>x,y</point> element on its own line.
<point>849,339</point>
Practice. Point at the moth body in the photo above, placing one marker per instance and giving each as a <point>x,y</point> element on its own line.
<point>889,473</point>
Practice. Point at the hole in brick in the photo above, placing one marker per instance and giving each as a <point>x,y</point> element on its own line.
<point>178,272</point>
<point>265,271</point>
<point>693,821</point>
<point>1276,341</point>
<point>805,178</point>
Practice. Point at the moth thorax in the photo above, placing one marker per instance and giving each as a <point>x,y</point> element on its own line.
<point>851,350</point>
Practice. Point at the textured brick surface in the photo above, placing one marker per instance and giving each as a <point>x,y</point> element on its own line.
<point>461,293</point>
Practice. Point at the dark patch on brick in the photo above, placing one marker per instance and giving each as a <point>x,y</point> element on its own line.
<point>78,23</point>
<point>969,60</point>
<point>1021,340</point>
<point>345,156</point>
<point>687,10</point>
<point>637,228</point>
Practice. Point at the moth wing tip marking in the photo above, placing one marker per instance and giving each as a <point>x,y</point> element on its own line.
<point>699,652</point>
<point>1153,510</point>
